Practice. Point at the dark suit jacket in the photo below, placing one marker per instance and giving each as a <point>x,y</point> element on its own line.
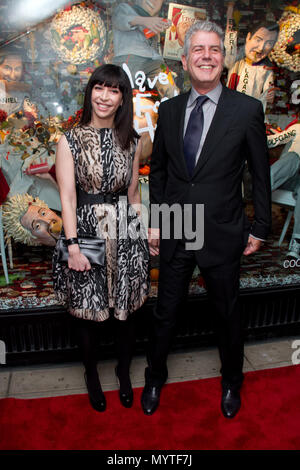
<point>237,134</point>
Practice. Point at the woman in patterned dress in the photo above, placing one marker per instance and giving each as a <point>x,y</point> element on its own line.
<point>100,159</point>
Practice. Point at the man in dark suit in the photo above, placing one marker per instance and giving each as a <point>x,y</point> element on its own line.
<point>199,154</point>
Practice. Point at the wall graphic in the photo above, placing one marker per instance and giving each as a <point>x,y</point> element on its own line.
<point>181,17</point>
<point>45,63</point>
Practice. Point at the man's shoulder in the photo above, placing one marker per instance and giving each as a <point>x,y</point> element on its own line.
<point>175,101</point>
<point>241,98</point>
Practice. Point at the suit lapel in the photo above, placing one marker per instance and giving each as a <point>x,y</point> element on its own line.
<point>218,128</point>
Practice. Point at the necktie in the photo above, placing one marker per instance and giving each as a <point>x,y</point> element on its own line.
<point>193,133</point>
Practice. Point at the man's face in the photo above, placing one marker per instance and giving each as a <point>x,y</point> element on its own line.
<point>43,223</point>
<point>205,60</point>
<point>260,44</point>
<point>152,6</point>
<point>11,68</point>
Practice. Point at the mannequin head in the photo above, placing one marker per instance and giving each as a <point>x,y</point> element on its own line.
<point>260,41</point>
<point>29,220</point>
<point>11,65</point>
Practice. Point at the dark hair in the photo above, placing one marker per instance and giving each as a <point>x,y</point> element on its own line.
<point>113,76</point>
<point>273,27</point>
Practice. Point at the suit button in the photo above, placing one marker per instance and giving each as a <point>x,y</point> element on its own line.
<point>193,184</point>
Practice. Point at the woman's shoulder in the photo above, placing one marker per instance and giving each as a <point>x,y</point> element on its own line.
<point>74,136</point>
<point>69,133</point>
<point>75,132</point>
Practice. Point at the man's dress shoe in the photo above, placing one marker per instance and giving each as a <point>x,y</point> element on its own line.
<point>231,402</point>
<point>150,399</point>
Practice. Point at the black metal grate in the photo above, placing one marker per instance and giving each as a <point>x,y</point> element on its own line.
<point>40,336</point>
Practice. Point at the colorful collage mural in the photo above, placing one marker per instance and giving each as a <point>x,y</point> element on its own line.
<point>48,51</point>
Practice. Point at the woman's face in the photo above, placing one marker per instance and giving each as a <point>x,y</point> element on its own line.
<point>105,102</point>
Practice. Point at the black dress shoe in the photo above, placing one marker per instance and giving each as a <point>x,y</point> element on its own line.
<point>231,402</point>
<point>126,396</point>
<point>97,398</point>
<point>150,399</point>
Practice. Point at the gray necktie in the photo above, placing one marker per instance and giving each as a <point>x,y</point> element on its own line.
<point>193,133</point>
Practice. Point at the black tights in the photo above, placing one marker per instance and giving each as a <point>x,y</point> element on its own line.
<point>87,338</point>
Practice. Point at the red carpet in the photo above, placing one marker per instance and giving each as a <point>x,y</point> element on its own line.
<point>189,418</point>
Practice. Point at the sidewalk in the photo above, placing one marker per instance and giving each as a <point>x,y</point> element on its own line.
<point>67,379</point>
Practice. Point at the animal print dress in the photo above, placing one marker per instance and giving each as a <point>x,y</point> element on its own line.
<point>101,166</point>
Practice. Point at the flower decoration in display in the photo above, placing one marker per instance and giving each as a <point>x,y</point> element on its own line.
<point>286,52</point>
<point>144,170</point>
<point>3,125</point>
<point>78,35</point>
<point>72,121</point>
<point>3,115</point>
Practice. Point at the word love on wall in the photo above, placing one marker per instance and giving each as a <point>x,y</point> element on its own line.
<point>140,79</point>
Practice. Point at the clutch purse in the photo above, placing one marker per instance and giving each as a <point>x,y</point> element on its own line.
<point>91,247</point>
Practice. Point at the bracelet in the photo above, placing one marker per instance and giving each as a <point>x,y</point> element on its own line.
<point>72,241</point>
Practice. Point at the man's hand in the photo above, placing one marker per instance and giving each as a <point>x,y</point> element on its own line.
<point>153,240</point>
<point>253,245</point>
<point>156,24</point>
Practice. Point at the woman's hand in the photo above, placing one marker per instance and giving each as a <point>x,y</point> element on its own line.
<point>77,261</point>
<point>154,241</point>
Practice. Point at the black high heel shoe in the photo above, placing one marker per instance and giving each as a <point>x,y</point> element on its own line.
<point>98,402</point>
<point>126,396</point>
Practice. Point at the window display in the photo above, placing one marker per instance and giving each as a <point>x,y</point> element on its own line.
<point>48,54</point>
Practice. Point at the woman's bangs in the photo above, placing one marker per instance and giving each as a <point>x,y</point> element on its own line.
<point>109,78</point>
<point>108,83</point>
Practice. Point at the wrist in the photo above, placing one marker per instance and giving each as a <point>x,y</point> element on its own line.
<point>73,249</point>
<point>137,21</point>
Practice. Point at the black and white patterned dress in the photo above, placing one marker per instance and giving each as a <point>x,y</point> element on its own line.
<point>101,166</point>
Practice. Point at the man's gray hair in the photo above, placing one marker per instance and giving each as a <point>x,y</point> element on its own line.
<point>206,26</point>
